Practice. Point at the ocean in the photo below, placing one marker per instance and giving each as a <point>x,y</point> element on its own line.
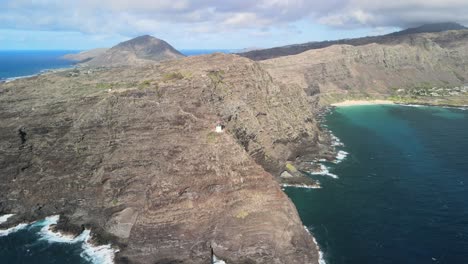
<point>21,63</point>
<point>35,243</point>
<point>401,194</point>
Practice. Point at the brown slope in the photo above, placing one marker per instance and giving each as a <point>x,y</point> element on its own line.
<point>396,37</point>
<point>131,153</point>
<point>85,55</point>
<point>377,70</point>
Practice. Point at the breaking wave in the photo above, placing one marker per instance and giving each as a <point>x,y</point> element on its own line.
<point>321,259</point>
<point>102,254</point>
<point>324,171</point>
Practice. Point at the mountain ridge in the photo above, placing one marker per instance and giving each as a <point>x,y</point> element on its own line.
<point>264,54</point>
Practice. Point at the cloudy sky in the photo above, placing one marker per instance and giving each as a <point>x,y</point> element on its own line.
<point>210,24</point>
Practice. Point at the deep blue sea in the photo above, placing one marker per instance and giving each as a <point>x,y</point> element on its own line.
<point>24,63</point>
<point>401,195</point>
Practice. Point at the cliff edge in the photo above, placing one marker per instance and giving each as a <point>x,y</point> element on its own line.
<point>132,153</point>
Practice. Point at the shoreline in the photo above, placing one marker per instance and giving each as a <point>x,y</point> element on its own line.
<point>347,103</point>
<point>362,102</point>
<point>41,72</point>
<point>91,251</point>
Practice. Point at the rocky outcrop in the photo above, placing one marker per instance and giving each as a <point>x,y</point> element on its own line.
<point>132,153</point>
<point>138,51</point>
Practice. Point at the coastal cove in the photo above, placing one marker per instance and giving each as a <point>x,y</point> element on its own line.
<point>400,193</point>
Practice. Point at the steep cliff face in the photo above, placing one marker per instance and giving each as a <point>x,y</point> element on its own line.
<point>376,70</point>
<point>132,154</point>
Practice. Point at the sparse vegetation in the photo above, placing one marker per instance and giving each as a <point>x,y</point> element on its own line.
<point>146,84</point>
<point>291,168</point>
<point>211,137</point>
<point>173,76</point>
<point>104,86</point>
<point>216,77</point>
<point>242,214</point>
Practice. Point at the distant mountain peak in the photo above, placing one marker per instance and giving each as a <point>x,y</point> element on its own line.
<point>136,51</point>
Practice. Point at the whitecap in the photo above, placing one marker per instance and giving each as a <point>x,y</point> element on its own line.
<point>341,155</point>
<point>14,229</point>
<point>321,259</point>
<point>324,171</point>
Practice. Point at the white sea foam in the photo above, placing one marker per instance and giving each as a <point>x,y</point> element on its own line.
<point>413,105</point>
<point>341,155</point>
<point>336,142</point>
<point>8,231</point>
<point>321,260</point>
<point>324,171</point>
<point>103,254</point>
<point>217,260</point>
<point>304,186</point>
<point>4,218</point>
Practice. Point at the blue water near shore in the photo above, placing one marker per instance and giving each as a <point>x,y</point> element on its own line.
<point>24,63</point>
<point>36,243</point>
<point>402,192</point>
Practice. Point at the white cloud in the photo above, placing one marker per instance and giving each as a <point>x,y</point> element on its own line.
<point>371,13</point>
<point>132,17</point>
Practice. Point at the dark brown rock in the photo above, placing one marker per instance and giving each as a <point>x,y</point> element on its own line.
<point>132,154</point>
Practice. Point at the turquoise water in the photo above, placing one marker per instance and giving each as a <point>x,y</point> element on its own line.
<point>402,192</point>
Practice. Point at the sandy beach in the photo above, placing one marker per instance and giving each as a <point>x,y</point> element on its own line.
<point>362,102</point>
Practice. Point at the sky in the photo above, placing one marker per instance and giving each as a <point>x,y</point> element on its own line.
<point>210,24</point>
